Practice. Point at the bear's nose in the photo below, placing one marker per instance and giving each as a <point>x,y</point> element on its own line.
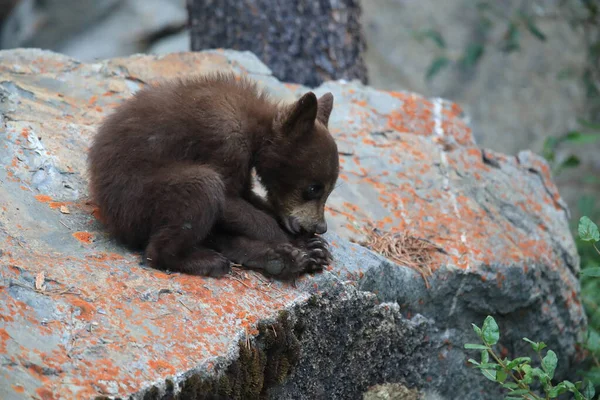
<point>321,227</point>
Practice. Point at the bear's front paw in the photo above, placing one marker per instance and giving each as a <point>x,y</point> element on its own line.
<point>288,261</point>
<point>318,250</point>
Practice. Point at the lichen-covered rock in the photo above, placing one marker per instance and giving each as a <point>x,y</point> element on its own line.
<point>79,317</point>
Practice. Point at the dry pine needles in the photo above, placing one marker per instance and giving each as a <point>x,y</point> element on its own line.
<point>403,249</point>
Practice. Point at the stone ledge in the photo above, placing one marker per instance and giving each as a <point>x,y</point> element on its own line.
<point>99,324</point>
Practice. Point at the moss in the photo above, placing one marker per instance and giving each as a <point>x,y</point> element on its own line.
<point>313,300</point>
<point>262,363</point>
<point>152,393</point>
<point>282,349</point>
<point>169,386</point>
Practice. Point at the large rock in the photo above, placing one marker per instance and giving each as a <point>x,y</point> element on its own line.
<point>79,317</point>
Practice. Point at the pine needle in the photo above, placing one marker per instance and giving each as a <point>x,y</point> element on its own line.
<point>403,249</point>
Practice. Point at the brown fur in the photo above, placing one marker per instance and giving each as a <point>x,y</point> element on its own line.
<point>171,172</point>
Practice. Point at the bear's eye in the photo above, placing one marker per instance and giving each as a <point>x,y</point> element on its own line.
<point>313,192</point>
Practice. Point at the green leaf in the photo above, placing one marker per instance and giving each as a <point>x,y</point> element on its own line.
<point>588,230</point>
<point>473,346</point>
<point>477,330</point>
<point>557,390</point>
<point>528,377</point>
<point>549,149</point>
<point>571,162</point>
<point>519,392</point>
<point>435,36</point>
<point>473,361</point>
<point>593,272</point>
<point>581,138</point>
<point>436,66</point>
<point>490,331</point>
<point>490,374</point>
<point>513,398</point>
<point>541,346</point>
<point>493,366</point>
<point>568,385</point>
<point>593,341</point>
<point>485,356</point>
<point>518,361</point>
<point>510,385</point>
<point>578,395</point>
<point>534,345</point>
<point>472,54</point>
<point>501,376</point>
<point>511,38</point>
<point>530,23</point>
<point>542,376</point>
<point>589,390</point>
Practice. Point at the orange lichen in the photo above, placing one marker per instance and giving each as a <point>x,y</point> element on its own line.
<point>161,366</point>
<point>87,310</point>
<point>43,198</point>
<point>4,336</point>
<point>58,204</point>
<point>93,100</point>
<point>45,394</point>
<point>18,388</point>
<point>83,237</point>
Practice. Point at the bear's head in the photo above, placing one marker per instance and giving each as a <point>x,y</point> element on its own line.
<point>300,166</point>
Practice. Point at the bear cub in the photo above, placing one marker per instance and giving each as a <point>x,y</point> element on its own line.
<point>171,171</point>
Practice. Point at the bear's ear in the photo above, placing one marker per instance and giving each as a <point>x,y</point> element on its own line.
<point>325,107</point>
<point>302,114</point>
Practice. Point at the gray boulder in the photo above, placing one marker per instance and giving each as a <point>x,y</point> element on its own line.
<point>465,232</point>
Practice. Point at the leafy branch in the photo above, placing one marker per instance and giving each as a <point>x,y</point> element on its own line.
<point>518,376</point>
<point>474,51</point>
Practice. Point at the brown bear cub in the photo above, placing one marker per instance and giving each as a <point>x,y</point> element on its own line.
<point>171,168</point>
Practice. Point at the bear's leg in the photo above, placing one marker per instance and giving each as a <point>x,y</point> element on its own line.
<point>241,218</point>
<point>187,201</point>
<point>284,260</point>
<point>244,219</point>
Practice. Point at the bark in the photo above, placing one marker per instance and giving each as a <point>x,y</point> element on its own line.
<point>301,41</point>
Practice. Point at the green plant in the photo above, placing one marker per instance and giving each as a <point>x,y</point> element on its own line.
<point>583,15</point>
<point>473,52</point>
<point>588,133</point>
<point>590,290</point>
<point>518,376</point>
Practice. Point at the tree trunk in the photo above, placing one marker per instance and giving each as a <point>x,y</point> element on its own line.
<point>301,41</point>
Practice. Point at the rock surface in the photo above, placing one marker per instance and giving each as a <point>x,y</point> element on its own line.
<point>79,317</point>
